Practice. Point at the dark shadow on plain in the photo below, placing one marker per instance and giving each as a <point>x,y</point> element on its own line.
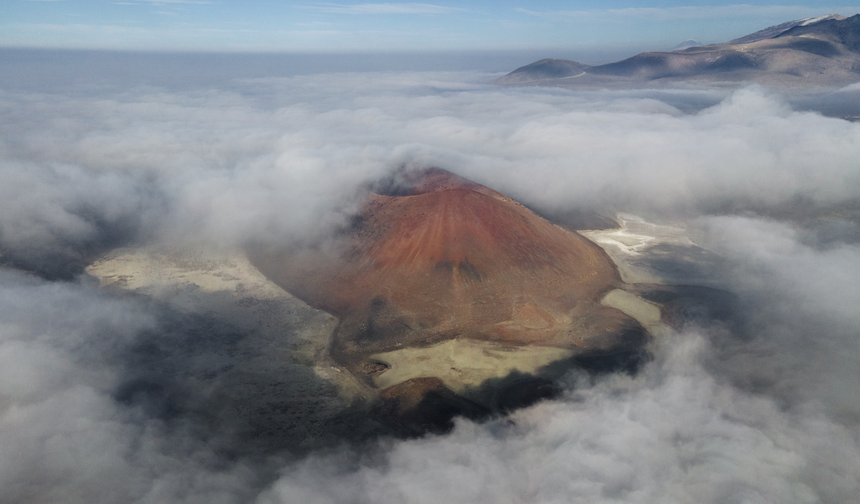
<point>241,392</point>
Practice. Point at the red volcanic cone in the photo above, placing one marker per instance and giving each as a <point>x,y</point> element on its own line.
<point>436,257</point>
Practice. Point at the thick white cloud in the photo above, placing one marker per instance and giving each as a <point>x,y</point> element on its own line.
<point>761,410</point>
<point>225,166</point>
<point>674,434</point>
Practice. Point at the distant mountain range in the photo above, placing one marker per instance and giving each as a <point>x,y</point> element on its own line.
<point>687,44</point>
<point>823,51</point>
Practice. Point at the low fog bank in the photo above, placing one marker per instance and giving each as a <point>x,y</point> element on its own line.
<point>674,434</point>
<point>64,435</point>
<point>282,157</point>
<point>757,405</point>
<point>62,70</point>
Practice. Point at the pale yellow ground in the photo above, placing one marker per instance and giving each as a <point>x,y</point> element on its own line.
<point>163,272</point>
<point>185,279</point>
<point>627,243</point>
<point>646,313</point>
<point>463,363</point>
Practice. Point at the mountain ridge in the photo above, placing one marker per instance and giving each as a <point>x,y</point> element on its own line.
<point>807,52</point>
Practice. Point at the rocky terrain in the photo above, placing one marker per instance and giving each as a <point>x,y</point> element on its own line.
<point>443,298</point>
<point>821,51</point>
<point>442,286</point>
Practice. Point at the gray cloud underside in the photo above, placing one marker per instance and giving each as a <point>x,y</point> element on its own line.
<point>761,409</point>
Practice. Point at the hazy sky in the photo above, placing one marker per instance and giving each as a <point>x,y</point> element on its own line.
<point>270,25</point>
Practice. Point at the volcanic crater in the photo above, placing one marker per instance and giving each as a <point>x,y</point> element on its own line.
<point>448,292</point>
